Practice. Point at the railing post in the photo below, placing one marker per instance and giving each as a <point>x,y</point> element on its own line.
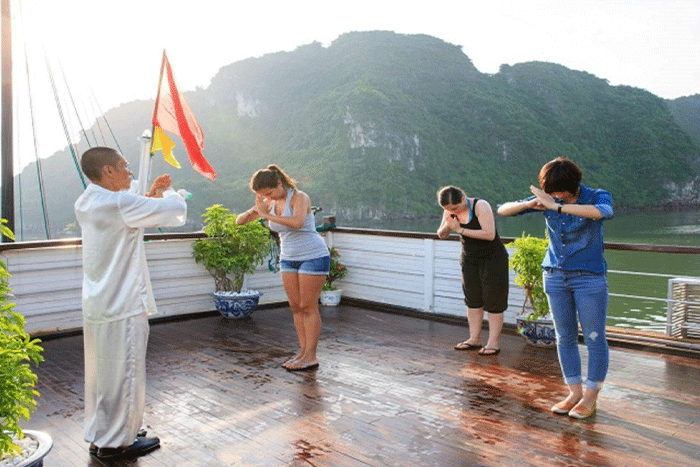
<point>429,275</point>
<point>669,309</point>
<point>329,239</point>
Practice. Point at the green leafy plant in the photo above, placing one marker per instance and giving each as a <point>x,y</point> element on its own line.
<point>17,350</point>
<point>337,271</point>
<point>526,261</point>
<point>230,249</point>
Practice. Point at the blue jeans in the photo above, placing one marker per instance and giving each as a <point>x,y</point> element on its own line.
<point>572,293</point>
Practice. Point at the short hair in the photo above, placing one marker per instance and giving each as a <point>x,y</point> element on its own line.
<point>270,177</point>
<point>450,195</point>
<point>94,159</point>
<point>560,174</point>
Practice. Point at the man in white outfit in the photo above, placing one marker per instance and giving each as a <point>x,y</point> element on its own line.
<point>117,298</point>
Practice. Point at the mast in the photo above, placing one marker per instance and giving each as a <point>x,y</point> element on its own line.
<point>8,187</point>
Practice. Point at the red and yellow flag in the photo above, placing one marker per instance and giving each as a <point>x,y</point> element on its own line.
<point>161,142</point>
<point>172,114</point>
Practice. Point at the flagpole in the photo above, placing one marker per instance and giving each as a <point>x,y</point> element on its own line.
<point>144,163</point>
<point>147,141</point>
<point>155,109</point>
<point>7,157</point>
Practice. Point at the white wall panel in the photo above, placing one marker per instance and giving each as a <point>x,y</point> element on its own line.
<point>394,270</point>
<point>47,283</point>
<point>385,269</point>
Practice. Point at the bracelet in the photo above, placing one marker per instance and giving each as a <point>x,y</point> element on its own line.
<point>559,209</point>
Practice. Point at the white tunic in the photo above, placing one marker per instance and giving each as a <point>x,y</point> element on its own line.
<point>117,297</point>
<point>116,283</point>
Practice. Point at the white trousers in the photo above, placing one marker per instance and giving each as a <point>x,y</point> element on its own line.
<point>115,380</point>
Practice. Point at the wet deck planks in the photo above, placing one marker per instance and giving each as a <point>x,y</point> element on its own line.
<point>390,391</point>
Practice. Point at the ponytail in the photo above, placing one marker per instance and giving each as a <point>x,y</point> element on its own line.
<point>287,181</point>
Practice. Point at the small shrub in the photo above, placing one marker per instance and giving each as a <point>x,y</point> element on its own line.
<point>337,271</point>
<point>230,249</point>
<point>17,350</point>
<point>526,261</point>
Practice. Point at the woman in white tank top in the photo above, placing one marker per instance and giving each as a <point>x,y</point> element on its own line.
<point>304,257</point>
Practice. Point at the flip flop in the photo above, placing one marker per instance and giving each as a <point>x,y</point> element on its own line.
<point>485,352</point>
<point>313,366</point>
<point>467,346</point>
<point>288,362</point>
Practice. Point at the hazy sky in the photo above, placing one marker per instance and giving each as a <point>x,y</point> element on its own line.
<point>114,47</point>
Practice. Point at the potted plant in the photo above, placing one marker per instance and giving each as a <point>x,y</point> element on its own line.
<point>330,294</point>
<point>229,252</point>
<point>17,380</point>
<point>533,321</point>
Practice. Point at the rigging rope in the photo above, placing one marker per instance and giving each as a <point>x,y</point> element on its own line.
<point>63,121</point>
<point>36,152</point>
<point>104,117</point>
<point>73,146</point>
<point>92,129</point>
<point>97,122</point>
<point>70,95</point>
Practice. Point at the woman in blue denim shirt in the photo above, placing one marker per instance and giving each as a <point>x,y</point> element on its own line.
<point>574,275</point>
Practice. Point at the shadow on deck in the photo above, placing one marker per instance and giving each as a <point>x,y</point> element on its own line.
<point>390,391</point>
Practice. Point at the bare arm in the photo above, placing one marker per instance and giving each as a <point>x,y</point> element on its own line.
<point>512,208</point>
<point>247,216</point>
<point>445,229</point>
<point>484,213</point>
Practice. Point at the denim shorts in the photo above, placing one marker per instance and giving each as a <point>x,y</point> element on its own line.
<point>315,267</point>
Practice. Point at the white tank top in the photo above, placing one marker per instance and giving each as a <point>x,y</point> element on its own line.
<point>299,244</point>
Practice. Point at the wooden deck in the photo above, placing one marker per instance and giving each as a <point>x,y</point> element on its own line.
<point>390,391</point>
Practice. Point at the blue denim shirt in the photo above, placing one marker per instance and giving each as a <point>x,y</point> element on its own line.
<point>576,243</point>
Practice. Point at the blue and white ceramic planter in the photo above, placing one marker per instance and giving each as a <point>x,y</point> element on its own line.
<point>34,457</point>
<point>330,297</point>
<point>236,305</point>
<point>537,332</point>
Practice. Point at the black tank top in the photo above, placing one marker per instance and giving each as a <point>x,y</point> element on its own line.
<point>476,246</point>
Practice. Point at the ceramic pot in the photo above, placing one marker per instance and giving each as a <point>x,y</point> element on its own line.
<point>537,332</point>
<point>331,297</point>
<point>35,458</point>
<point>236,305</point>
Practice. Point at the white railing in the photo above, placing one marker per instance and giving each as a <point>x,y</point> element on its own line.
<point>398,269</point>
<point>47,283</point>
<point>411,272</point>
<point>415,273</point>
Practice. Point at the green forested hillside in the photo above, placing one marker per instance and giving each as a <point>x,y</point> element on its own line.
<point>372,125</point>
<point>686,111</point>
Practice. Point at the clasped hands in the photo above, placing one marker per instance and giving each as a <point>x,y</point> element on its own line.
<point>543,201</point>
<point>452,222</point>
<point>262,206</point>
<point>160,184</point>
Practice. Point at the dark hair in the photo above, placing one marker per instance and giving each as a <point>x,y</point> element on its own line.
<point>270,177</point>
<point>450,195</point>
<point>92,161</point>
<point>560,174</point>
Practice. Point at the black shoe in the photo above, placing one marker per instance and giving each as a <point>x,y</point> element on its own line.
<point>139,447</point>
<point>141,434</point>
